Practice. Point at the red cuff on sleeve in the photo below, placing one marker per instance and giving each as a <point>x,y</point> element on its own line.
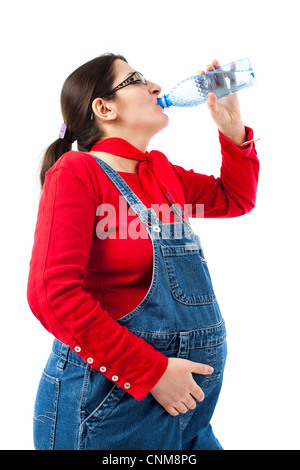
<point>247,149</point>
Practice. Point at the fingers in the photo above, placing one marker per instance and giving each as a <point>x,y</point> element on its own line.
<point>203,369</point>
<point>214,65</point>
<point>189,403</point>
<point>209,67</point>
<point>212,100</point>
<point>172,411</point>
<point>197,393</point>
<point>217,75</point>
<point>182,407</point>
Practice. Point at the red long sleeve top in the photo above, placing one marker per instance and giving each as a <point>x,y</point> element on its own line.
<point>86,272</point>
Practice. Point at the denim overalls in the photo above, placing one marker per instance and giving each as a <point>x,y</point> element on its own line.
<point>79,408</point>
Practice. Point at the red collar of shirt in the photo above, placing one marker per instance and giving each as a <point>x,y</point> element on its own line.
<point>153,168</point>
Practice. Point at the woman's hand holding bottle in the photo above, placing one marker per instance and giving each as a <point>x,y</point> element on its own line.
<point>226,112</point>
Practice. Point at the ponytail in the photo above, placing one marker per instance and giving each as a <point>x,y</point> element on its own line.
<point>52,154</point>
<point>90,81</point>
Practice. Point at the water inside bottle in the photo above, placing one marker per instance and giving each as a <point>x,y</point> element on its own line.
<point>224,82</point>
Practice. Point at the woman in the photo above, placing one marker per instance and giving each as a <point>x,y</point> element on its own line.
<point>118,276</point>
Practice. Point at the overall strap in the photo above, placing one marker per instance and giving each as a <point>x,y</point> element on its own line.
<point>147,216</point>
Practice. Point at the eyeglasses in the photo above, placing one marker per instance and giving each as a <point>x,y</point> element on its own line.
<point>135,77</point>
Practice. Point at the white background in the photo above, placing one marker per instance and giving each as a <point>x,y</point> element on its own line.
<point>254,260</point>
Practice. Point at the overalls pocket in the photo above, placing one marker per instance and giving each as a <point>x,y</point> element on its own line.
<point>100,398</point>
<point>188,274</point>
<point>45,413</point>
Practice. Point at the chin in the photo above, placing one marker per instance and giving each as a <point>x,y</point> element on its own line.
<point>162,127</point>
<point>157,124</point>
<point>166,121</point>
<point>163,122</point>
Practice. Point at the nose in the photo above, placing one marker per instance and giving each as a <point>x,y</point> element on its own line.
<point>154,89</point>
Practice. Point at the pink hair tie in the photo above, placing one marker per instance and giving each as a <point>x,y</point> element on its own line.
<point>62,132</point>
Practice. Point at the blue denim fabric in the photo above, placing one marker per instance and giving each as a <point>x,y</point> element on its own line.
<point>79,408</point>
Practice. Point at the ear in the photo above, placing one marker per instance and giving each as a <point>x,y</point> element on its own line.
<point>103,110</point>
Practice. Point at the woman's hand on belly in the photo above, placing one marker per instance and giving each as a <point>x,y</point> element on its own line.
<point>177,390</point>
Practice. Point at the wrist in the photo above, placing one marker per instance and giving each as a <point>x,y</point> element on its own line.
<point>236,133</point>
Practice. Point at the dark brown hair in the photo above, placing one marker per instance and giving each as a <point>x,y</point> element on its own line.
<point>90,81</point>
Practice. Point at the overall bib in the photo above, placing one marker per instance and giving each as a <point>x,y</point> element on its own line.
<point>180,317</point>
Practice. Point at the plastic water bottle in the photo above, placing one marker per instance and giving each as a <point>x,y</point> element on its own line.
<point>223,81</point>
